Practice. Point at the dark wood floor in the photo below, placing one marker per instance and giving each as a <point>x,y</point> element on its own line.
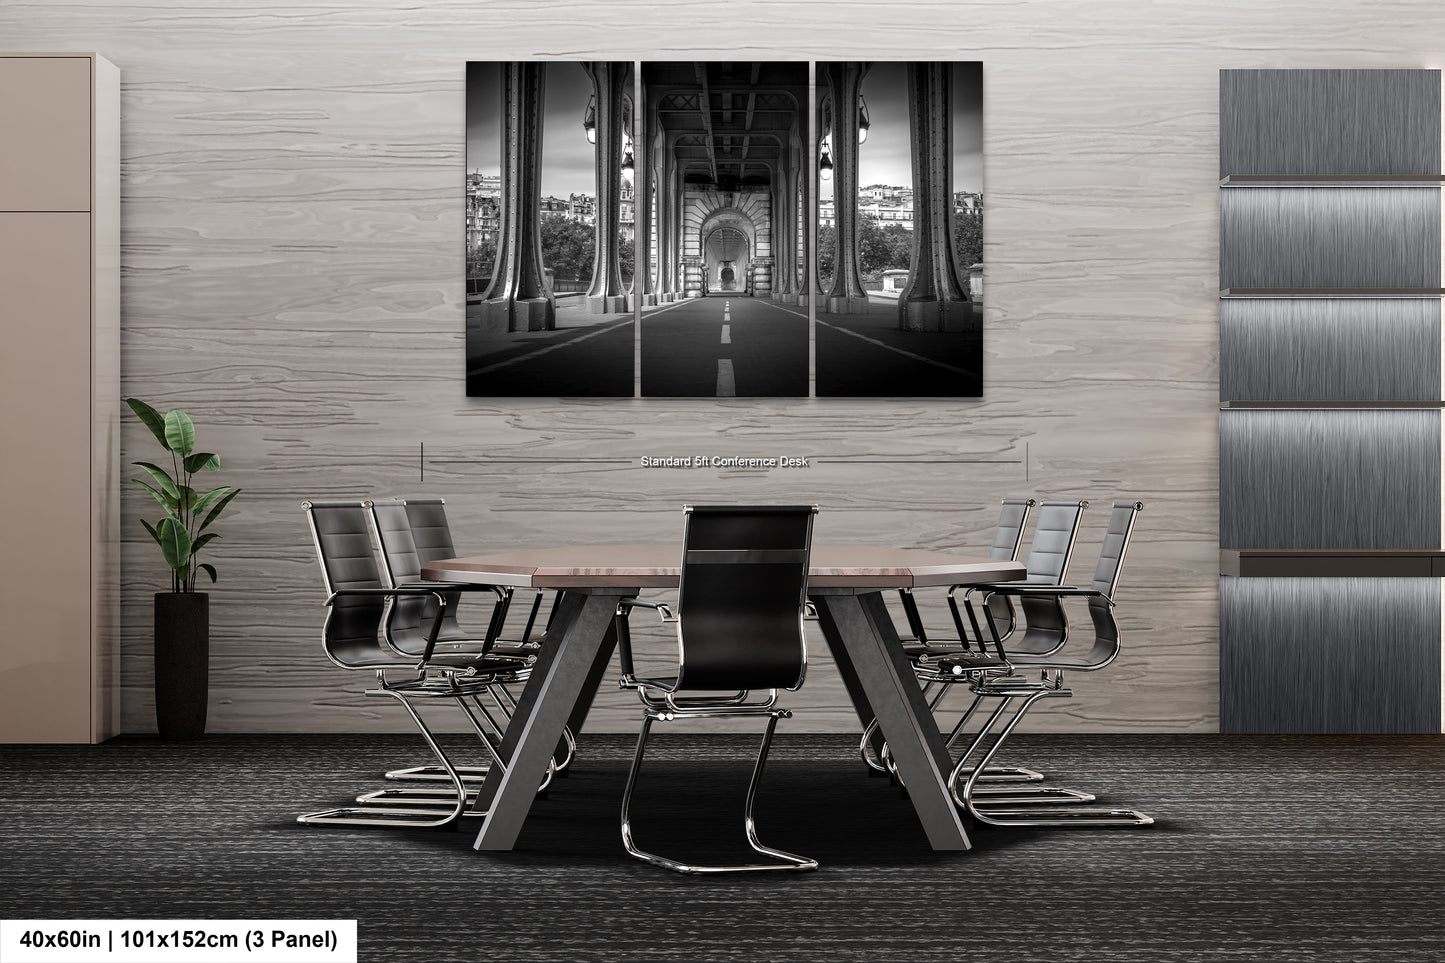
<point>1266,848</point>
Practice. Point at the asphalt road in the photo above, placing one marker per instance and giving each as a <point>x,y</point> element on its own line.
<point>725,346</point>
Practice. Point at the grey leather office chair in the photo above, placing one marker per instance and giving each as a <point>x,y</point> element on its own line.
<point>741,603</point>
<point>352,639</point>
<point>995,675</point>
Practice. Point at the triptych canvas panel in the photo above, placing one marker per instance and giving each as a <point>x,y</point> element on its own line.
<point>679,226</point>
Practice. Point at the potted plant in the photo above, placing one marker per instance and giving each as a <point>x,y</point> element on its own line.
<point>182,615</point>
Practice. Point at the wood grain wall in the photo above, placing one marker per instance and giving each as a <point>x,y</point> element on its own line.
<point>292,228</point>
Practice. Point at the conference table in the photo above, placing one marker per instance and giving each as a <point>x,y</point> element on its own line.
<point>845,583</point>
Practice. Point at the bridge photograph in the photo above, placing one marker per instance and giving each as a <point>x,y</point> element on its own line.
<point>723,224</point>
<point>550,218</point>
<point>900,229</point>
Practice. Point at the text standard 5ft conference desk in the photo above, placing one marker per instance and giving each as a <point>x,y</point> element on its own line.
<point>845,582</point>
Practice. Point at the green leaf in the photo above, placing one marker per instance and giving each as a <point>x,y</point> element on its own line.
<point>152,529</point>
<point>175,543</point>
<point>186,499</point>
<point>203,461</point>
<point>161,476</point>
<point>200,542</point>
<point>210,570</point>
<point>217,509</point>
<point>167,502</point>
<point>207,498</point>
<point>180,433</point>
<point>152,418</point>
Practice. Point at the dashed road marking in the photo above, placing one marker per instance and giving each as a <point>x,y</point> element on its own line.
<point>727,337</point>
<point>725,386</point>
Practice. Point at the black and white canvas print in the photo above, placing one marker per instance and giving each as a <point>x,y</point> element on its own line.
<point>723,226</point>
<point>549,229</point>
<point>900,229</point>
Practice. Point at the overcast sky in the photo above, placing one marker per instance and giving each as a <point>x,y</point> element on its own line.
<point>886,156</point>
<point>567,158</point>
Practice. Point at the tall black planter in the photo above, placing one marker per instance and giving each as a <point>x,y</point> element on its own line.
<point>183,644</point>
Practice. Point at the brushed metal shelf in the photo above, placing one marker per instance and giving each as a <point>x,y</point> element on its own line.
<point>1331,292</point>
<point>1332,180</point>
<point>1331,563</point>
<point>1331,405</point>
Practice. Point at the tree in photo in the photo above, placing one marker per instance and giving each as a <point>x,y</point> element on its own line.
<point>568,248</point>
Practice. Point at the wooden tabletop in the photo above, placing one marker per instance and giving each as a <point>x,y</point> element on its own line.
<point>657,566</point>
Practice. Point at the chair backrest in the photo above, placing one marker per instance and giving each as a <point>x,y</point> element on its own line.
<point>1008,535</point>
<point>741,597</point>
<point>1116,544</point>
<point>342,536</point>
<point>1106,579</point>
<point>400,525</point>
<point>429,529</point>
<point>1046,623</point>
<point>1053,543</point>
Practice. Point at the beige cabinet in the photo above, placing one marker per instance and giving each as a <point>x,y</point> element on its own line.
<point>60,397</point>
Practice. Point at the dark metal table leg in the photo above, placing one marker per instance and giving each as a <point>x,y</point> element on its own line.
<point>551,695</point>
<point>860,633</point>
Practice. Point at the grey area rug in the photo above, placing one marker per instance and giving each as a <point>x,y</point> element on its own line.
<point>1266,848</point>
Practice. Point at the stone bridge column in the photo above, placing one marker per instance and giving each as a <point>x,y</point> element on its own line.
<point>844,80</point>
<point>519,298</point>
<point>607,295</point>
<point>784,234</point>
<point>934,299</point>
<point>643,286</point>
<point>667,208</point>
<point>692,276</point>
<point>762,277</point>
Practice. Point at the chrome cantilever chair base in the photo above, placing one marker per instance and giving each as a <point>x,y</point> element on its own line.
<point>1007,690</point>
<point>786,860</point>
<point>415,817</point>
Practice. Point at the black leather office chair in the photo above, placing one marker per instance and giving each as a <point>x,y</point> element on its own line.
<point>1008,535</point>
<point>995,675</point>
<point>741,604</point>
<point>1051,549</point>
<point>412,532</point>
<point>352,639</point>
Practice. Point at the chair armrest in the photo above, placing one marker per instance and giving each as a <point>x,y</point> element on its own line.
<point>418,591</point>
<point>409,591</point>
<point>1055,591</point>
<point>424,583</point>
<point>661,608</point>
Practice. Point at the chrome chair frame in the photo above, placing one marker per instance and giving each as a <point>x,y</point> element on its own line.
<point>998,681</point>
<point>1008,536</point>
<point>392,522</point>
<point>664,700</point>
<point>355,641</point>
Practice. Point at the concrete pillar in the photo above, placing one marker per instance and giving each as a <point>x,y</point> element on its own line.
<point>692,276</point>
<point>762,268</point>
<point>934,299</point>
<point>642,179</point>
<point>784,237</point>
<point>606,295</point>
<point>519,298</point>
<point>846,295</point>
<point>667,208</point>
